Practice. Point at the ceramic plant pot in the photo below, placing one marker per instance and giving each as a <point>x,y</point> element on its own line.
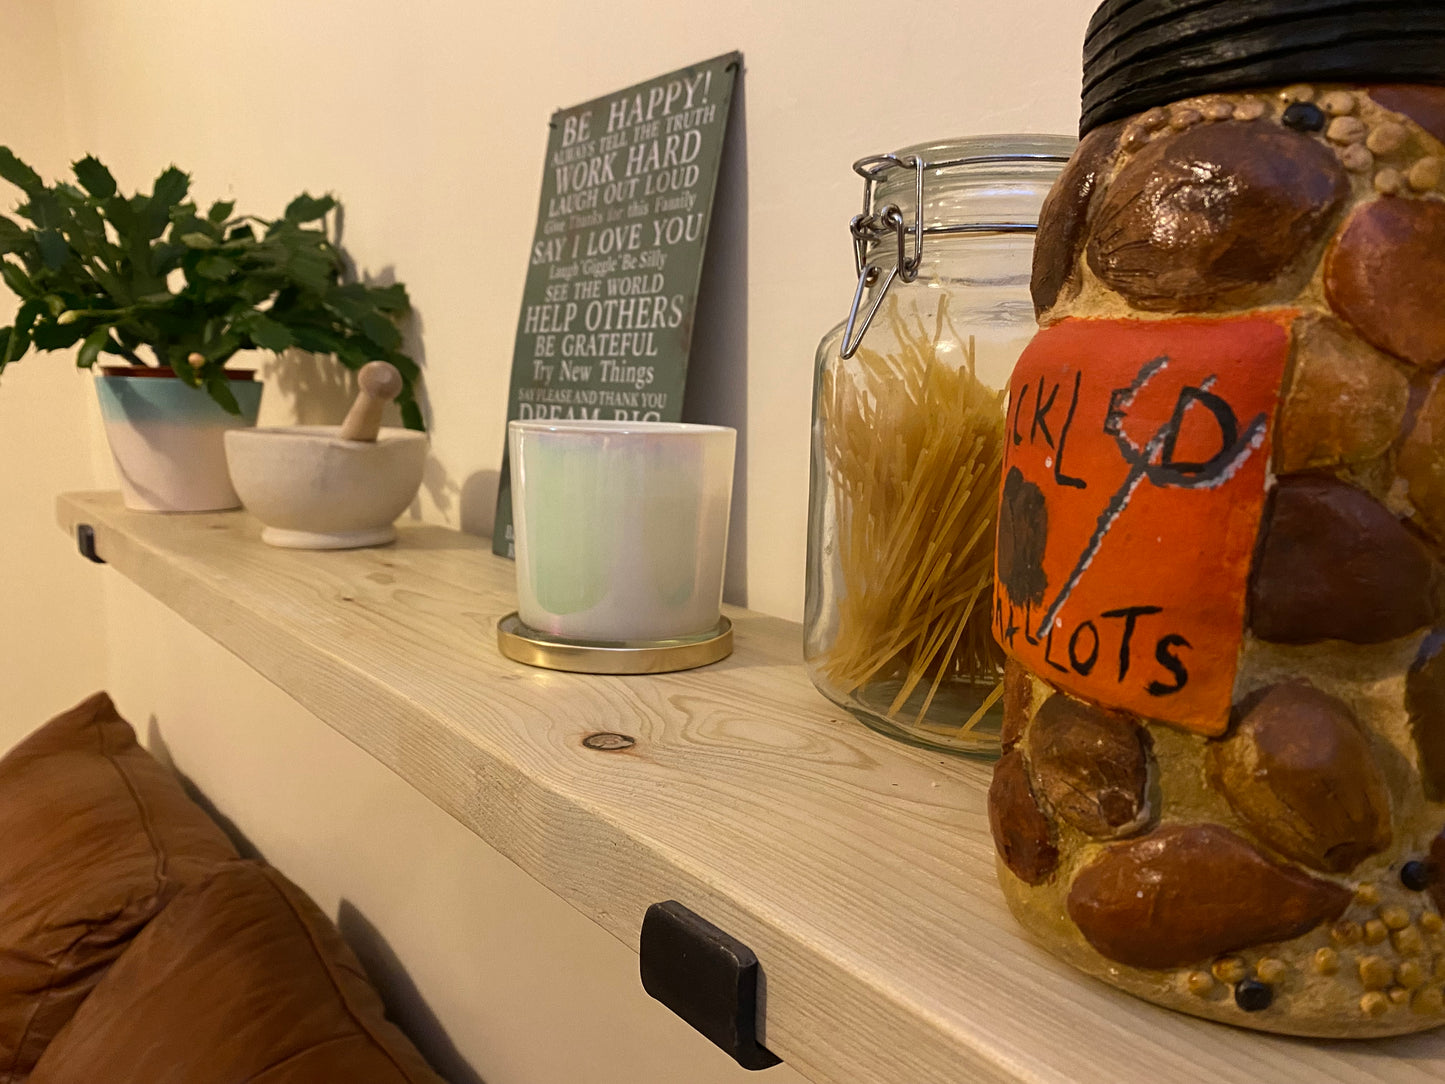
<point>313,490</point>
<point>166,438</point>
<point>1222,528</point>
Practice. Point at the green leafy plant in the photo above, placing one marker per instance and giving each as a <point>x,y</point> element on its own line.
<point>119,273</point>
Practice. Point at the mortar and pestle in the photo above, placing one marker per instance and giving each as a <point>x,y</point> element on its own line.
<point>331,487</point>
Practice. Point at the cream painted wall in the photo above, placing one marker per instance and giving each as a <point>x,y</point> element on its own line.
<point>429,120</point>
<point>52,632</point>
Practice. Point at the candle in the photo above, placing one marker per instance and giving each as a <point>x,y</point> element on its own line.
<point>621,527</point>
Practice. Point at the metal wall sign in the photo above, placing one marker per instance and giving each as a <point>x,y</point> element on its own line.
<point>612,276</point>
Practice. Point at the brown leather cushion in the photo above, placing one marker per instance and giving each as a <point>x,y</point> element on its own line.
<point>96,837</point>
<point>240,979</point>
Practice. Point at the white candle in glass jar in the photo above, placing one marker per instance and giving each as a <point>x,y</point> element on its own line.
<point>620,527</point>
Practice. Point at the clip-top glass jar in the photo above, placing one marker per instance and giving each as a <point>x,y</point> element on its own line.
<point>908,432</point>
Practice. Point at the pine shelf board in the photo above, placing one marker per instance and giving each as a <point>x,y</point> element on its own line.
<point>860,871</point>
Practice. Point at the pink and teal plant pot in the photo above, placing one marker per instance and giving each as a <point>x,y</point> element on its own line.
<point>168,439</point>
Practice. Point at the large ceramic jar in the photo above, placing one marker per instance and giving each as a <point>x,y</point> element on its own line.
<point>1222,526</point>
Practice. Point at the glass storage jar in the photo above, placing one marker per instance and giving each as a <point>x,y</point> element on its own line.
<point>908,432</point>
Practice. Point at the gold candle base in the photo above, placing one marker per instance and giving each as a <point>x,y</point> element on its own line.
<point>527,645</point>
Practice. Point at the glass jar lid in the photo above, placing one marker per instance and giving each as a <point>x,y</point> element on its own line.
<point>988,184</point>
<point>976,181</point>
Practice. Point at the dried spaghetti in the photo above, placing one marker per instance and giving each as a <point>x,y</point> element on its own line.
<point>914,450</point>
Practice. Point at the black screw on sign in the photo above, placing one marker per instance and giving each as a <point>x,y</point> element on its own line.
<point>705,976</point>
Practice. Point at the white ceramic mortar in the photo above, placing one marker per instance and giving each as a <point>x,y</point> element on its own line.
<point>313,490</point>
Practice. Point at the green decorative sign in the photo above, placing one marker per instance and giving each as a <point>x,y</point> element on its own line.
<point>612,281</point>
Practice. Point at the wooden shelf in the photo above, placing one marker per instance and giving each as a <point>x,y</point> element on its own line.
<point>859,870</point>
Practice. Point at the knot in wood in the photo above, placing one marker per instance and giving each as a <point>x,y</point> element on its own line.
<point>608,742</point>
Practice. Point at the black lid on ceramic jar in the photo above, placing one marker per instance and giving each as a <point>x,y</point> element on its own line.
<point>1142,53</point>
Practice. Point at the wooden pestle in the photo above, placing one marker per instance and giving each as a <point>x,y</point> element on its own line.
<point>379,383</point>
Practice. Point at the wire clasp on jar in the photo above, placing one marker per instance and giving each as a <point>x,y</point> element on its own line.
<point>869,228</point>
<point>875,225</point>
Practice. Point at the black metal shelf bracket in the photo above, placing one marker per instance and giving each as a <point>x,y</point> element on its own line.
<point>85,542</point>
<point>705,976</point>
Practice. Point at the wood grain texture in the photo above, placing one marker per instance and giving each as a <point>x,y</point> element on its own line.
<point>859,870</point>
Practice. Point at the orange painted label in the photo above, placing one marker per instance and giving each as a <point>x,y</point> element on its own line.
<point>1134,481</point>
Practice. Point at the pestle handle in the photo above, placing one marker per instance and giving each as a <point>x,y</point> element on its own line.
<point>379,384</point>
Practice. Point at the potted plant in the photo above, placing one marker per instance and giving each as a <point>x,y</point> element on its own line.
<point>149,274</point>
